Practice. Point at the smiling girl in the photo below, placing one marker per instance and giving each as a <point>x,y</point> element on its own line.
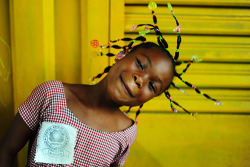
<point>82,125</point>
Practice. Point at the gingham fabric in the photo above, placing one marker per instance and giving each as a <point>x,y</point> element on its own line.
<point>47,103</point>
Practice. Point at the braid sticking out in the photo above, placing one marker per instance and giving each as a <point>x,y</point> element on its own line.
<point>163,47</point>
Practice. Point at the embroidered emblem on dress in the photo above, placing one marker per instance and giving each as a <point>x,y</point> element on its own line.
<point>55,143</point>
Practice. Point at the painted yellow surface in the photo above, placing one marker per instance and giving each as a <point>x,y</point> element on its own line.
<point>46,40</point>
<point>94,25</point>
<point>236,3</point>
<point>193,19</point>
<point>6,97</point>
<point>177,140</point>
<point>218,36</point>
<point>217,32</point>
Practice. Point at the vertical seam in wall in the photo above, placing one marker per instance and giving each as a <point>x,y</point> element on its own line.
<point>109,28</point>
<point>12,44</point>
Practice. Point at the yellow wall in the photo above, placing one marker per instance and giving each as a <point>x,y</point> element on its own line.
<point>6,98</point>
<point>218,32</point>
<point>46,40</point>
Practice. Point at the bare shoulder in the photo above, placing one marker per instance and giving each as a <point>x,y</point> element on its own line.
<point>71,96</point>
<point>66,88</point>
<point>70,89</point>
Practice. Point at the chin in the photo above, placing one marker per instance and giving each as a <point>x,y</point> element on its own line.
<point>120,100</point>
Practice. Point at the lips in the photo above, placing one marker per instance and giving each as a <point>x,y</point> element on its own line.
<point>127,89</point>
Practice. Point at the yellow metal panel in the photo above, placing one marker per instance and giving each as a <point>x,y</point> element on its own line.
<point>217,75</point>
<point>94,26</point>
<point>233,3</point>
<point>178,140</point>
<point>32,46</point>
<point>49,40</point>
<point>218,36</point>
<point>208,48</point>
<point>235,101</point>
<point>67,41</point>
<point>32,37</point>
<point>216,31</point>
<point>6,96</point>
<point>117,15</point>
<point>194,20</point>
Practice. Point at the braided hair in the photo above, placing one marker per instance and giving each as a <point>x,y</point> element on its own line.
<point>163,46</point>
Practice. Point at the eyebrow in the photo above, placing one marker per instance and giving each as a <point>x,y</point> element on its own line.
<point>149,61</point>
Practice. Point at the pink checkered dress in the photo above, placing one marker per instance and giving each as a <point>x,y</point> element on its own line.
<point>63,140</point>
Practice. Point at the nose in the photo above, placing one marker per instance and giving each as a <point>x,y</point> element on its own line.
<point>138,80</point>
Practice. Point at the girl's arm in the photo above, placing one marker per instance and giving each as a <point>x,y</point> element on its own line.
<point>14,140</point>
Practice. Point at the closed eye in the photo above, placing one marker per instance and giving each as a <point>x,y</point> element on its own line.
<point>139,64</point>
<point>152,86</point>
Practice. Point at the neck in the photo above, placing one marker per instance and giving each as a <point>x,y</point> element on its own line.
<point>97,97</point>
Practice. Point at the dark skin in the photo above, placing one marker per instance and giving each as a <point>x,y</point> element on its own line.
<point>133,80</point>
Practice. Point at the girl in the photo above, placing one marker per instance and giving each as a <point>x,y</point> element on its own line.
<point>82,125</point>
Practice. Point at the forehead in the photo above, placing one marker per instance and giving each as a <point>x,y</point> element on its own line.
<point>154,55</point>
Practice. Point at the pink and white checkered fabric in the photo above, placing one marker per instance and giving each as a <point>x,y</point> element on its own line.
<point>47,103</point>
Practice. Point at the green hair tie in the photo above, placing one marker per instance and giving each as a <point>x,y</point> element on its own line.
<point>170,7</point>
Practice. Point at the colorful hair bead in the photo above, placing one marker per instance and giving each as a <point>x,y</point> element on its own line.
<point>170,7</point>
<point>91,81</point>
<point>218,103</point>
<point>120,55</point>
<point>152,5</point>
<point>194,115</point>
<point>196,59</point>
<point>94,43</point>
<point>142,33</point>
<point>174,110</point>
<point>178,29</point>
<point>134,27</point>
<point>173,84</point>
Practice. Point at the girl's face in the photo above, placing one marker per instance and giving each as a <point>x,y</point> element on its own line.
<point>139,76</point>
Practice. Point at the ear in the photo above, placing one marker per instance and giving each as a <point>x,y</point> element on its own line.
<point>120,56</point>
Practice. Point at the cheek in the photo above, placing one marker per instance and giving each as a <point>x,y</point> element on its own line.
<point>167,78</point>
<point>145,95</point>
